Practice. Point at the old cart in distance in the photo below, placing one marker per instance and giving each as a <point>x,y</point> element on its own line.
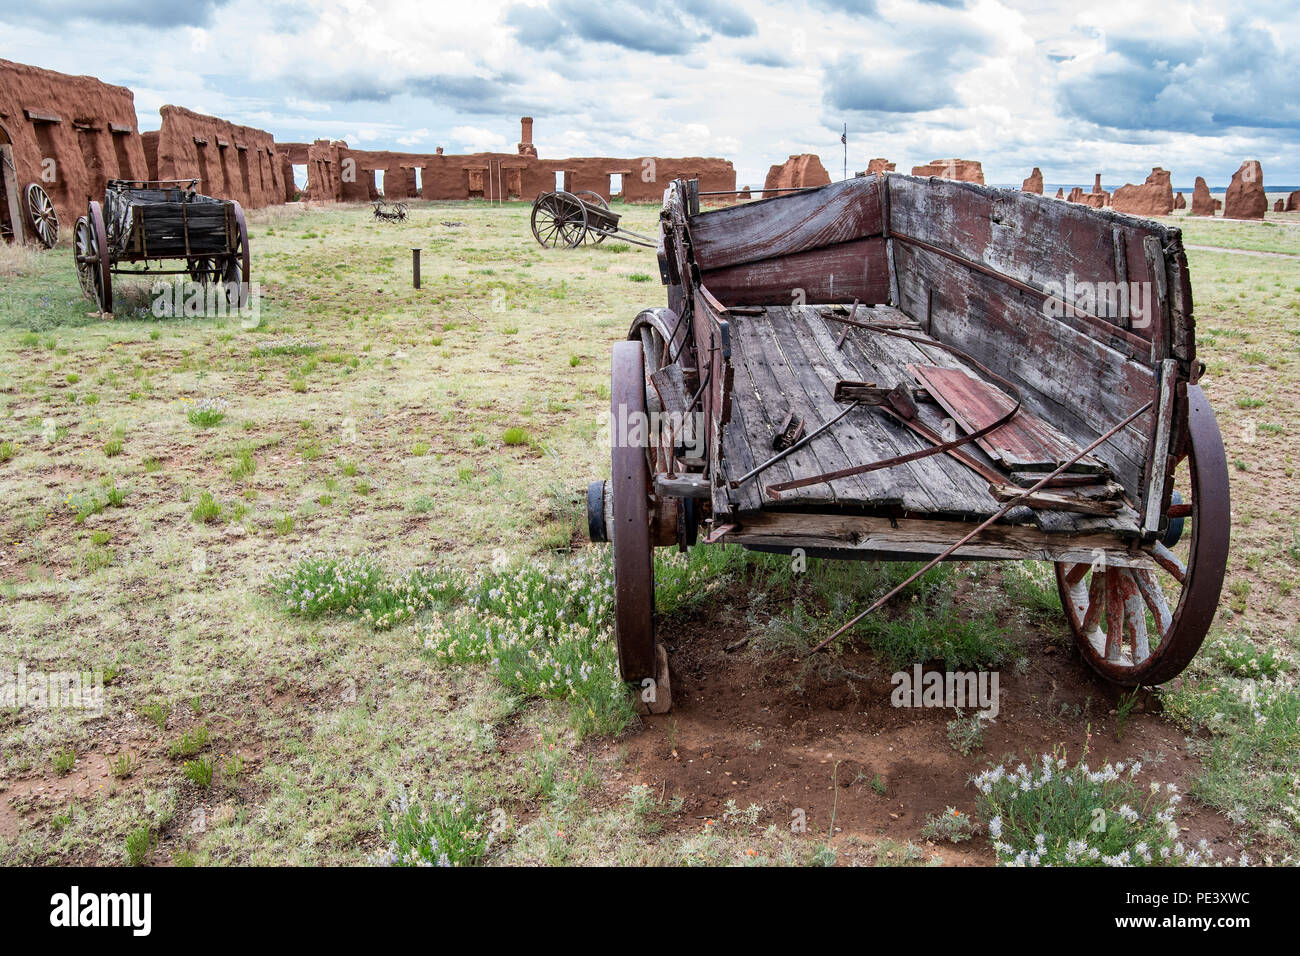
<point>144,222</point>
<point>922,352</point>
<point>564,219</point>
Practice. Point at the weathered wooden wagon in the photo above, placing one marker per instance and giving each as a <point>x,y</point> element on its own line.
<point>570,219</point>
<point>146,222</point>
<point>911,369</point>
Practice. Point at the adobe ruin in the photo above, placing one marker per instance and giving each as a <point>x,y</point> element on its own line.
<point>1245,198</point>
<point>799,171</point>
<point>230,161</point>
<point>1293,201</point>
<point>962,170</point>
<point>1202,202</point>
<point>338,173</point>
<point>1034,184</point>
<point>69,134</point>
<point>1155,197</point>
<point>1179,201</point>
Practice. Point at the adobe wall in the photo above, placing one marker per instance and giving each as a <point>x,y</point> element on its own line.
<point>86,127</point>
<point>231,161</point>
<point>507,175</point>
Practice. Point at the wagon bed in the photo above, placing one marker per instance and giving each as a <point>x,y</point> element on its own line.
<point>1011,404</point>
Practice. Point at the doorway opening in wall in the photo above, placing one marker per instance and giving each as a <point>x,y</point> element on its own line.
<point>51,178</point>
<point>244,177</point>
<point>205,179</point>
<point>379,181</point>
<point>299,180</point>
<point>561,179</point>
<point>615,186</point>
<point>123,157</point>
<point>11,229</point>
<point>419,183</point>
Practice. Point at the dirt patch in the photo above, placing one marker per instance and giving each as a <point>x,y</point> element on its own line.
<point>770,732</point>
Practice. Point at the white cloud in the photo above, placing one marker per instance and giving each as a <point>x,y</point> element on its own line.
<point>992,80</point>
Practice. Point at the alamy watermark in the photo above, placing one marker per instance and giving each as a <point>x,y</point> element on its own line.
<point>52,690</point>
<point>180,298</point>
<point>952,689</point>
<point>1081,298</point>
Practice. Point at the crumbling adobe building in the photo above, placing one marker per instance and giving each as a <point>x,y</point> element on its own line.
<point>230,161</point>
<point>69,134</point>
<point>338,173</point>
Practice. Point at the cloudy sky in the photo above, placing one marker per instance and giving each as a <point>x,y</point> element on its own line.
<point>1072,87</point>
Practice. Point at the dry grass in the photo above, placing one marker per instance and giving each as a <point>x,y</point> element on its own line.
<point>17,259</point>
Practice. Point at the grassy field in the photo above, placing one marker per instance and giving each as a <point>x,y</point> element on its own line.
<point>329,562</point>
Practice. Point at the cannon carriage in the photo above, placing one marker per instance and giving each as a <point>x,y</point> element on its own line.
<point>908,369</point>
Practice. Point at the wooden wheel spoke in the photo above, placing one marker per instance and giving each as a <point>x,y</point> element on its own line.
<point>1114,616</point>
<point>1169,561</point>
<point>1154,597</point>
<point>1096,604</point>
<point>1076,574</point>
<point>1135,618</point>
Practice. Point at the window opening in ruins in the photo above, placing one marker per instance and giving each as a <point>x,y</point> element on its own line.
<point>379,181</point>
<point>561,179</point>
<point>299,179</point>
<point>419,183</point>
<point>615,185</point>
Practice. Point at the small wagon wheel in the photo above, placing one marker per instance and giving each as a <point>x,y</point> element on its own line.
<point>44,219</point>
<point>1125,625</point>
<point>205,270</point>
<point>85,253</point>
<point>559,219</point>
<point>98,259</point>
<point>238,269</point>
<point>634,588</point>
<point>593,236</point>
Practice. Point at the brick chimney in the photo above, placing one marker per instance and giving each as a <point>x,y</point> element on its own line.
<point>526,147</point>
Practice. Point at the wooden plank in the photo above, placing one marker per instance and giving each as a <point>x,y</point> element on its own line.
<point>964,489</point>
<point>921,537</point>
<point>1159,330</point>
<point>1070,380</point>
<point>840,273</point>
<point>1030,238</point>
<point>1026,442</point>
<point>787,224</point>
<point>928,484</point>
<point>738,460</point>
<point>771,382</point>
<point>834,447</point>
<point>1157,469</point>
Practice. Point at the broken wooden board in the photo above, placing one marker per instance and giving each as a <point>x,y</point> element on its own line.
<point>1026,443</point>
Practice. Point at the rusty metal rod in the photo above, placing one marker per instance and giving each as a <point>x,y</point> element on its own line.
<point>984,524</point>
<point>795,447</point>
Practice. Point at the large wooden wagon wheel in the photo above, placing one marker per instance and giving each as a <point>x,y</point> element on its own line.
<point>629,489</point>
<point>40,209</point>
<point>238,268</point>
<point>90,247</point>
<point>592,236</point>
<point>559,219</point>
<point>1138,626</point>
